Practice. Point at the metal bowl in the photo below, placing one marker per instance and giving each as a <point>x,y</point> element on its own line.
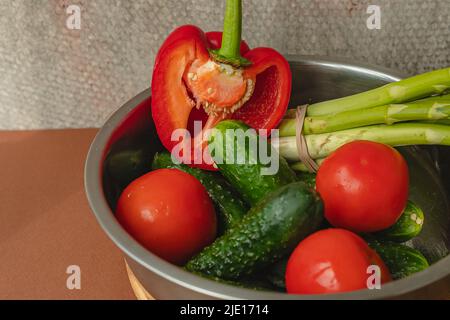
<point>314,79</point>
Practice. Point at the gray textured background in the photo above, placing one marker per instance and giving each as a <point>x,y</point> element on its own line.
<point>53,77</point>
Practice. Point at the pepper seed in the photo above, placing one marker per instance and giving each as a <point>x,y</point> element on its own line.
<point>192,76</point>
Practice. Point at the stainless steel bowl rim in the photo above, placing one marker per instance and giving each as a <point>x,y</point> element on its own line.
<point>105,217</point>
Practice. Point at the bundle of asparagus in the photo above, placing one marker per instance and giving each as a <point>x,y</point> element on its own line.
<point>411,111</point>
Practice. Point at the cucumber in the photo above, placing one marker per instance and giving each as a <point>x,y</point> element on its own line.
<point>276,274</point>
<point>268,232</point>
<point>407,227</point>
<point>246,178</point>
<point>251,282</point>
<point>401,260</point>
<point>308,178</point>
<point>231,208</point>
<point>127,165</point>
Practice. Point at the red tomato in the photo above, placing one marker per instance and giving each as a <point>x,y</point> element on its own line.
<point>364,186</point>
<point>331,261</point>
<point>170,213</point>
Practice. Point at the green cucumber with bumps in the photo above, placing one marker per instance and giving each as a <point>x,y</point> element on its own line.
<point>246,176</point>
<point>275,274</point>
<point>268,232</point>
<point>231,208</point>
<point>308,178</point>
<point>126,165</point>
<point>401,260</point>
<point>407,227</point>
<point>251,282</point>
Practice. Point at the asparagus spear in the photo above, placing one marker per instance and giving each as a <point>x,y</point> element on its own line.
<point>442,121</point>
<point>434,108</point>
<point>417,87</point>
<point>321,145</point>
<point>300,166</point>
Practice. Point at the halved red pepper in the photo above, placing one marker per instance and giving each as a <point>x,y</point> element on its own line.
<point>234,82</point>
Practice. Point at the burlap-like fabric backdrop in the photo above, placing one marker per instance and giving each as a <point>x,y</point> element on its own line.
<point>53,77</point>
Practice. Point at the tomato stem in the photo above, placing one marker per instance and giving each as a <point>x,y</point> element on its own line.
<point>231,39</point>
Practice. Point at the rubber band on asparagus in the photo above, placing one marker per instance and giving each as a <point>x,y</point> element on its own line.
<point>302,147</point>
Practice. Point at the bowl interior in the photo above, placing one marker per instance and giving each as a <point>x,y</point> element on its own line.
<point>313,80</point>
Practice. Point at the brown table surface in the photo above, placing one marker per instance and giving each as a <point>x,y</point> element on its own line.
<point>46,224</point>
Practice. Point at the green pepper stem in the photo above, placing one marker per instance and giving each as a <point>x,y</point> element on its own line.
<point>230,51</point>
<point>232,29</point>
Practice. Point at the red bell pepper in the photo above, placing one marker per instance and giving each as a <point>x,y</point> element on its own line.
<point>195,80</point>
